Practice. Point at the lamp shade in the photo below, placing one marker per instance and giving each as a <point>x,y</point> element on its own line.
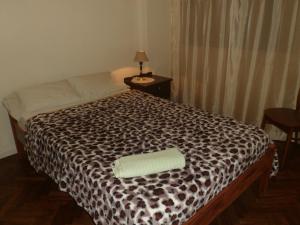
<point>140,56</point>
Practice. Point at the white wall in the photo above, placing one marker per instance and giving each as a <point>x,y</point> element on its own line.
<point>159,35</point>
<point>43,40</point>
<point>154,26</point>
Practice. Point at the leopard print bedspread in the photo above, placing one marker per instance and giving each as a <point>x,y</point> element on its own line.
<point>77,146</point>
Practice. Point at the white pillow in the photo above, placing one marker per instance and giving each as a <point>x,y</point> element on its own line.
<point>96,86</point>
<point>13,105</point>
<point>47,95</point>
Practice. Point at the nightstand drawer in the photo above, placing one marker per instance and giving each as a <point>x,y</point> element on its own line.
<point>160,90</point>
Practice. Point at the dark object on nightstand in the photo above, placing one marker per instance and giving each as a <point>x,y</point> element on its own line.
<point>288,120</point>
<point>160,87</point>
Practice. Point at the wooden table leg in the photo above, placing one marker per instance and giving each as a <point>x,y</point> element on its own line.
<point>286,147</point>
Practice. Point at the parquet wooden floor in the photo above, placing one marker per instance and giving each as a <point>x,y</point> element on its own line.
<point>27,198</point>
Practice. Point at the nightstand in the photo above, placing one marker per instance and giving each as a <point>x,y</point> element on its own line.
<point>160,87</point>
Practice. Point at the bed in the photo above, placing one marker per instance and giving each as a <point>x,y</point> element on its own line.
<point>77,145</point>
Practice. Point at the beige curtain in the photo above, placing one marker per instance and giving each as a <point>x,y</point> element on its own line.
<point>236,57</point>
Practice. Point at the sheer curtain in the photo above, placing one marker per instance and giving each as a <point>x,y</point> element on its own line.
<point>236,57</point>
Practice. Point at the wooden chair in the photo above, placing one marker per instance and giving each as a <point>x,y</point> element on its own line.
<point>288,120</point>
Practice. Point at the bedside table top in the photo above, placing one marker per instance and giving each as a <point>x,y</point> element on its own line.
<point>157,80</point>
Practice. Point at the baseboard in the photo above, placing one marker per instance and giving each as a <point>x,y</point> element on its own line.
<point>6,153</point>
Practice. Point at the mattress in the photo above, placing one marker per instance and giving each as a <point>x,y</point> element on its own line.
<point>77,146</point>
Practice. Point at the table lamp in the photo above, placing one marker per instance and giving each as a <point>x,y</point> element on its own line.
<point>140,56</point>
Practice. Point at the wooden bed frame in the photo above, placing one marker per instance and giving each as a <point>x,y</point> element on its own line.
<point>259,171</point>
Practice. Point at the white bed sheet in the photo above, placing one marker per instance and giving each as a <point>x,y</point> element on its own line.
<point>15,110</point>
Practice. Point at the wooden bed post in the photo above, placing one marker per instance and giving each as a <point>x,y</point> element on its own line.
<point>265,177</point>
<point>18,135</point>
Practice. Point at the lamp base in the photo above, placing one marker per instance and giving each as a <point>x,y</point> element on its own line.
<point>148,74</point>
<point>142,80</point>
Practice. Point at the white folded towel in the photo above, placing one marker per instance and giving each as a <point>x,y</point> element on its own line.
<point>149,163</point>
